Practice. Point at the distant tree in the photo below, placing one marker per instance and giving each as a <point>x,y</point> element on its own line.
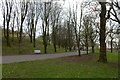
<point>118,36</point>
<point>13,25</point>
<point>55,14</point>
<point>86,24</point>
<point>31,16</point>
<point>111,33</point>
<point>93,10</point>
<point>45,16</point>
<point>93,26</point>
<point>115,11</point>
<point>69,29</point>
<point>74,22</point>
<point>23,13</point>
<point>37,14</point>
<point>4,17</point>
<point>29,29</point>
<point>30,20</point>
<point>70,35</point>
<point>116,14</point>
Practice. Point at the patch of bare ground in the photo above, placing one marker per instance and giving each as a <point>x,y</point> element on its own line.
<point>78,59</point>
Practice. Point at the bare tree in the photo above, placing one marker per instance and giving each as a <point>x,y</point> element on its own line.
<point>4,16</point>
<point>69,29</point>
<point>55,14</point>
<point>111,33</point>
<point>23,13</point>
<point>30,20</point>
<point>115,11</point>
<point>13,25</point>
<point>7,10</point>
<point>69,35</point>
<point>86,24</point>
<point>74,22</point>
<point>45,16</point>
<point>29,26</point>
<point>37,14</point>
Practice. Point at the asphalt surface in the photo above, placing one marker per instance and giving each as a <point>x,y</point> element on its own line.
<point>22,58</point>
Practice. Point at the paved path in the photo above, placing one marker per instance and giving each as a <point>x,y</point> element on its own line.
<point>21,58</point>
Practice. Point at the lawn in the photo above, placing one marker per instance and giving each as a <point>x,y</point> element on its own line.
<point>85,66</point>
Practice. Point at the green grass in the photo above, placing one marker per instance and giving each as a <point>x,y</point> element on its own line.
<point>113,57</point>
<point>27,47</point>
<point>68,67</point>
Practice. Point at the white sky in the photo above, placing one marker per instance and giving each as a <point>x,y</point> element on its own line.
<point>65,6</point>
<point>1,17</point>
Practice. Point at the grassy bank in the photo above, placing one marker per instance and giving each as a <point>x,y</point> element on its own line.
<point>27,47</point>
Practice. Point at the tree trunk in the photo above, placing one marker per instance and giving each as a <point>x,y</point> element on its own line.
<point>111,45</point>
<point>44,38</point>
<point>45,26</point>
<point>7,19</point>
<point>48,39</point>
<point>69,35</point>
<point>12,33</point>
<point>32,25</point>
<point>54,38</point>
<point>20,38</point>
<point>45,42</point>
<point>102,56</point>
<point>55,48</point>
<point>87,50</point>
<point>34,40</point>
<point>93,51</point>
<point>86,42</point>
<point>45,46</point>
<point>4,27</point>
<point>78,44</point>
<point>92,42</point>
<point>31,36</point>
<point>55,44</point>
<point>13,27</point>
<point>7,39</point>
<point>45,49</point>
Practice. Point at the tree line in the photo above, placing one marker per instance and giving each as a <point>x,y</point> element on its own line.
<point>80,25</point>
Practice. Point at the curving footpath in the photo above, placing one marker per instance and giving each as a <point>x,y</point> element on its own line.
<point>21,58</point>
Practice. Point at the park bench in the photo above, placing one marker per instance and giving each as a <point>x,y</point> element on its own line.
<point>37,51</point>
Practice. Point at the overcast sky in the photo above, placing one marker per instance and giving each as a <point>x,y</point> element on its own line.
<point>65,8</point>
